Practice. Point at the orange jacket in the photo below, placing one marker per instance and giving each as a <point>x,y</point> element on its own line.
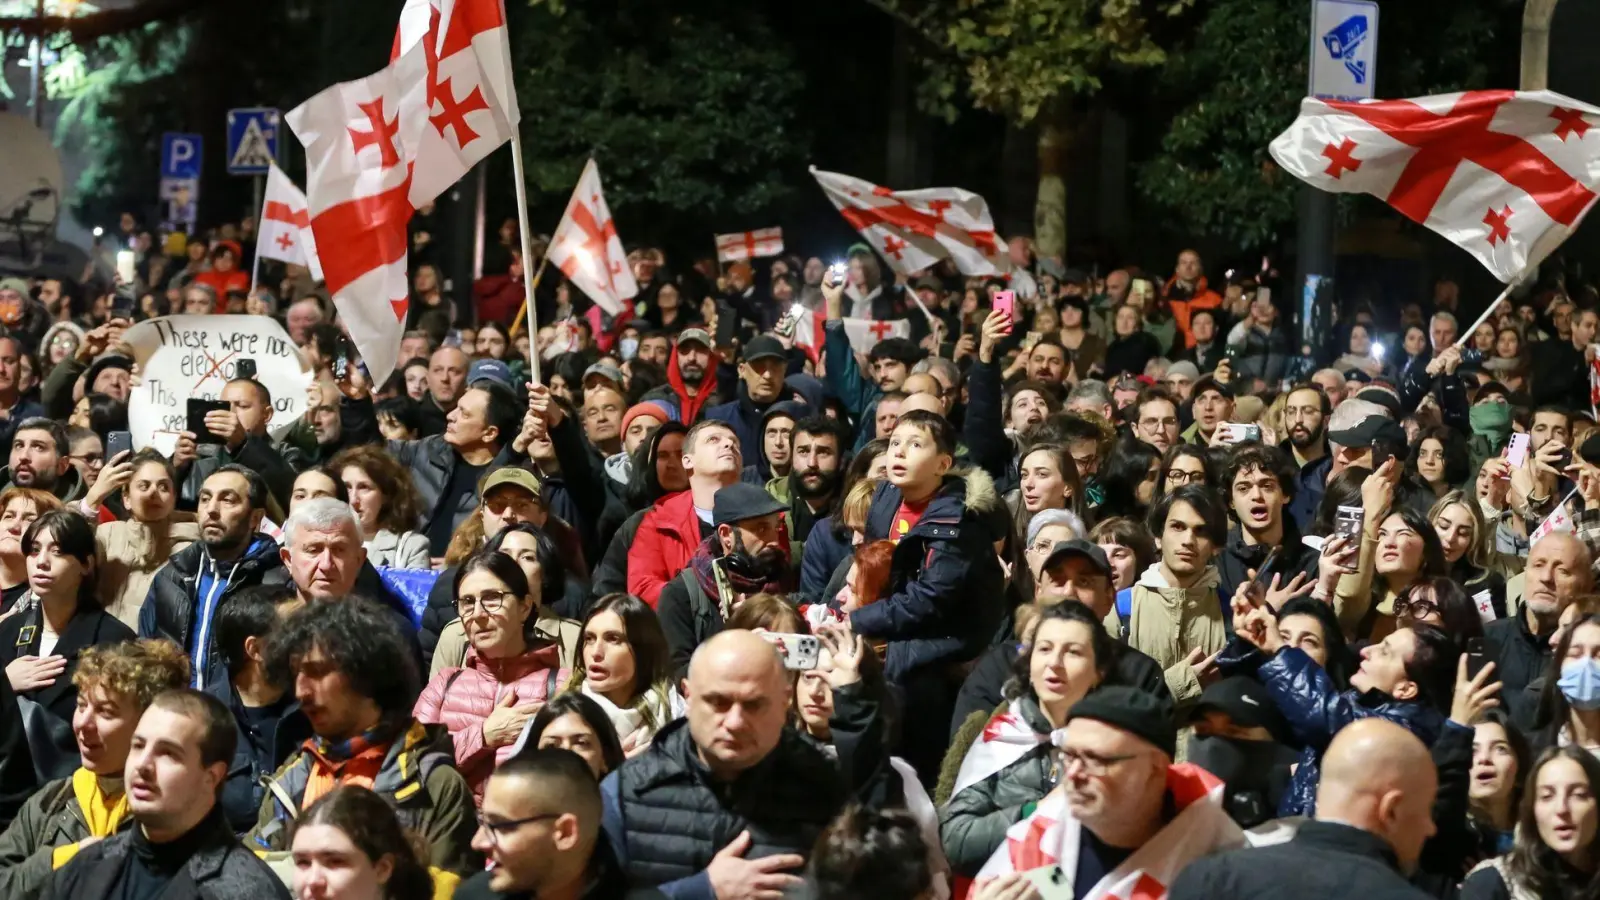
<point>1202,298</point>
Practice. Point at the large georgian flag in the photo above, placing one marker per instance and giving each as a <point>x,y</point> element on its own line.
<point>915,229</point>
<point>1505,175</point>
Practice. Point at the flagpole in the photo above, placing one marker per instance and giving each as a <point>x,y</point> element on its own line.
<point>1466,335</point>
<point>527,254</point>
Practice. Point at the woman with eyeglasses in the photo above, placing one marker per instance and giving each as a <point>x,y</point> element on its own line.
<point>1185,464</point>
<point>349,845</point>
<point>508,672</point>
<point>1045,531</point>
<point>1554,852</point>
<point>1439,601</point>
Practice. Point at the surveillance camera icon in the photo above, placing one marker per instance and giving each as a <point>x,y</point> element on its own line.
<point>1344,41</point>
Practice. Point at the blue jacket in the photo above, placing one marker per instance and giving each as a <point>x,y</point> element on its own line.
<point>946,596</point>
<point>1316,711</point>
<point>844,379</point>
<point>825,548</point>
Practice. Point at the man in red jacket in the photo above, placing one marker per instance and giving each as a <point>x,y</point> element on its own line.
<point>670,532</point>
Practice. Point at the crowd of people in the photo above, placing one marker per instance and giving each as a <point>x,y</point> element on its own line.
<point>1108,590</point>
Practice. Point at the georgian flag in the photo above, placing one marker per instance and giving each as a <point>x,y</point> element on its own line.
<point>1049,839</point>
<point>587,250</point>
<point>1006,738</point>
<point>809,334</point>
<point>749,244</point>
<point>1505,175</point>
<point>915,229</point>
<point>284,232</point>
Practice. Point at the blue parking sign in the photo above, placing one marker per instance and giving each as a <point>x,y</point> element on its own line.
<point>252,140</point>
<point>180,155</point>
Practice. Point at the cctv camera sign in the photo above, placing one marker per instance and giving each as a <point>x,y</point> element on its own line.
<point>1344,49</point>
<point>194,357</point>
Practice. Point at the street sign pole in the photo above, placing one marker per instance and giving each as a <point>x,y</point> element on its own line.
<point>1344,55</point>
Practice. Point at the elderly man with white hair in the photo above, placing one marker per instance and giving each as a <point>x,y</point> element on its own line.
<point>327,561</point>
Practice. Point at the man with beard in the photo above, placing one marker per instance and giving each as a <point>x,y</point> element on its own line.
<point>231,555</point>
<point>41,458</point>
<point>747,555</point>
<point>675,526</point>
<point>762,366</point>
<point>811,489</point>
<point>1260,484</point>
<point>691,375</point>
<point>1305,416</point>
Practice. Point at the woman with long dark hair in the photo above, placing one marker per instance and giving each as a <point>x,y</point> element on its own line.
<point>1553,854</point>
<point>575,722</point>
<point>625,667</point>
<point>132,550</point>
<point>1500,758</point>
<point>39,645</point>
<point>1439,459</point>
<point>1405,551</point>
<point>349,845</point>
<point>1129,476</point>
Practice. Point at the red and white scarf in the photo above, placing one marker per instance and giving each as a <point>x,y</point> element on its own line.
<point>1006,737</point>
<point>1049,839</point>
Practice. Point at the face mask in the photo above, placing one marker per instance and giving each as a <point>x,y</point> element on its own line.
<point>629,347</point>
<point>1580,683</point>
<point>1246,768</point>
<point>1491,420</point>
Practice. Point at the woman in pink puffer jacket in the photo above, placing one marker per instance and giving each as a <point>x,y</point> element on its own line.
<point>505,678</point>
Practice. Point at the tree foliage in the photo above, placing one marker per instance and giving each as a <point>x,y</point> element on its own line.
<point>1239,81</point>
<point>686,106</point>
<point>1014,57</point>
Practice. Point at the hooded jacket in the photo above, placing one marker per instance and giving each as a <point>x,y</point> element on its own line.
<point>1168,623</point>
<point>419,780</point>
<point>688,407</point>
<point>170,610</point>
<point>945,599</point>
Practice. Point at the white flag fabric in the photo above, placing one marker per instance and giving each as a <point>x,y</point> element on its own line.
<point>862,333</point>
<point>586,247</point>
<point>471,104</point>
<point>1505,175</point>
<point>361,138</point>
<point>1558,520</point>
<point>284,230</point>
<point>1049,839</point>
<point>915,229</point>
<point>749,244</point>
<point>1006,738</point>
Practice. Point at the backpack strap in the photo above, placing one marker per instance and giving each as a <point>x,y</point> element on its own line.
<point>1124,612</point>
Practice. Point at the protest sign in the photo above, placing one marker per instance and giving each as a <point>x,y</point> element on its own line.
<point>183,357</point>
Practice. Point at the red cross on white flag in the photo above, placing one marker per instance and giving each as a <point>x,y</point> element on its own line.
<point>749,244</point>
<point>285,230</point>
<point>586,247</point>
<point>1505,175</point>
<point>862,333</point>
<point>471,104</point>
<point>915,229</point>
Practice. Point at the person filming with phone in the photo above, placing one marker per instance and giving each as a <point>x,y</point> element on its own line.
<point>234,430</point>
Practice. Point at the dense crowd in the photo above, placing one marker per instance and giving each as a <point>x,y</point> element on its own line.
<point>1112,589</point>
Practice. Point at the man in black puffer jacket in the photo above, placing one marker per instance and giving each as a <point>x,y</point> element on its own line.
<point>732,794</point>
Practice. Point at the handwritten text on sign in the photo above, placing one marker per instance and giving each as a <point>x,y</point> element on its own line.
<point>185,357</point>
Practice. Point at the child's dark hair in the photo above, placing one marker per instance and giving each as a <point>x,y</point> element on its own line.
<point>404,410</point>
<point>871,853</point>
<point>935,426</point>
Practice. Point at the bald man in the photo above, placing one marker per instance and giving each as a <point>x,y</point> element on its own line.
<point>1374,811</point>
<point>923,401</point>
<point>1559,570</point>
<point>730,783</point>
<point>447,380</point>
